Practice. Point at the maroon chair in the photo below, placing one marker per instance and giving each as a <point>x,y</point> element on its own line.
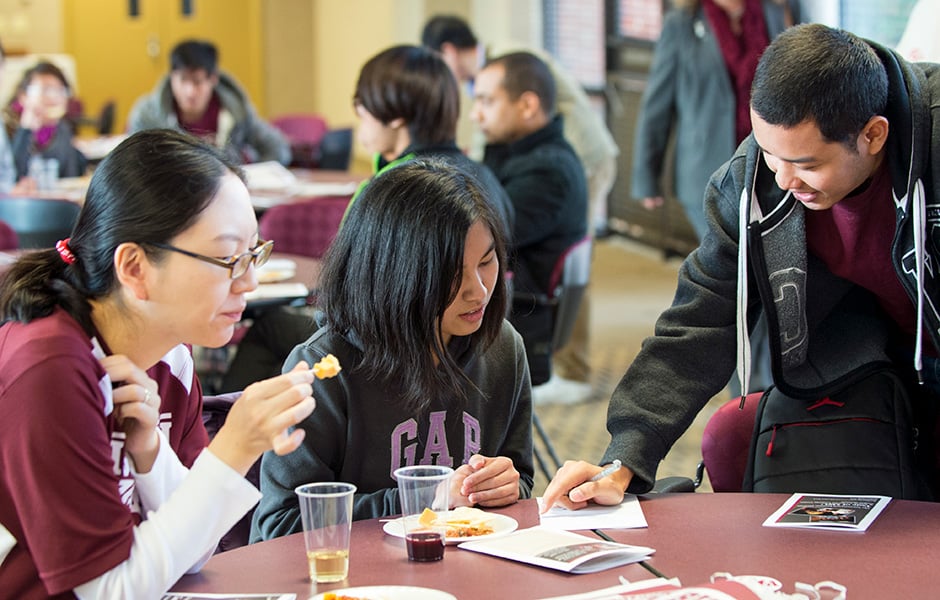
<point>726,442</point>
<point>304,132</point>
<point>307,227</point>
<point>566,285</point>
<point>8,238</point>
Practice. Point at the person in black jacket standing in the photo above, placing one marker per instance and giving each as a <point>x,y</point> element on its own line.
<point>514,105</point>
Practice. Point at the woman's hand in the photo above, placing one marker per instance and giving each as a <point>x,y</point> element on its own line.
<point>572,487</point>
<point>136,408</point>
<point>259,419</point>
<point>25,186</point>
<point>32,117</point>
<point>485,481</point>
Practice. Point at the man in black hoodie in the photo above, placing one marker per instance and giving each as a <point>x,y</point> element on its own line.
<point>514,104</point>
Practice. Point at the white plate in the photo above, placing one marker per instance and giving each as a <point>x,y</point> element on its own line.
<point>276,269</point>
<point>391,592</point>
<point>501,525</point>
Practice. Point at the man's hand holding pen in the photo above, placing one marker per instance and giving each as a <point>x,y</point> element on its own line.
<point>578,482</point>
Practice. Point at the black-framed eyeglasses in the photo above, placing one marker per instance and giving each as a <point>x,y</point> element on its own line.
<point>237,265</point>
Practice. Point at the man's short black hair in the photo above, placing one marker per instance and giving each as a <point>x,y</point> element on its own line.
<point>192,55</point>
<point>525,72</point>
<point>450,29</point>
<point>831,77</point>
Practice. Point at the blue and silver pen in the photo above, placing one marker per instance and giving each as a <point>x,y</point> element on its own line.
<point>613,468</point>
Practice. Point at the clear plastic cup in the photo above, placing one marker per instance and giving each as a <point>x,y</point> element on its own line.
<point>326,510</point>
<point>420,488</point>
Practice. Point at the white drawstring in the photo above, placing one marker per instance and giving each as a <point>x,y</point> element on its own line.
<point>919,209</point>
<point>744,345</point>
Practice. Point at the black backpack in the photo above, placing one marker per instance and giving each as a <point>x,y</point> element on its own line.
<point>860,440</point>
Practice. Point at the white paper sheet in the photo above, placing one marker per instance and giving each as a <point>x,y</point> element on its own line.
<point>323,188</point>
<point>278,290</point>
<point>268,175</point>
<point>626,515</point>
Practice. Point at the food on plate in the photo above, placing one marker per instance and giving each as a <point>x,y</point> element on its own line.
<point>327,367</point>
<point>332,596</point>
<point>463,521</point>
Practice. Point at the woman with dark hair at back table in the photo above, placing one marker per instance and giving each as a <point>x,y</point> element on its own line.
<point>101,405</point>
<point>413,299</point>
<point>408,103</point>
<point>36,123</point>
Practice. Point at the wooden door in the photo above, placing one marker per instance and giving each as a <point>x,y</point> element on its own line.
<point>122,47</point>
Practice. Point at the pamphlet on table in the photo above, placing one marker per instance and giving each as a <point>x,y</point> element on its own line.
<point>828,511</point>
<point>561,550</point>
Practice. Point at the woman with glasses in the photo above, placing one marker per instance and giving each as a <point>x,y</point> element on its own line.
<point>37,126</point>
<point>107,488</point>
<point>413,298</point>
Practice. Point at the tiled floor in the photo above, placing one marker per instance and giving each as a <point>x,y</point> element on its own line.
<point>630,285</point>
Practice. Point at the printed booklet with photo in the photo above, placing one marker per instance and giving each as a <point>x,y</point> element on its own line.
<point>828,511</point>
<point>562,550</point>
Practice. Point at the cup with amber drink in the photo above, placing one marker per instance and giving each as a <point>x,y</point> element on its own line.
<point>326,510</point>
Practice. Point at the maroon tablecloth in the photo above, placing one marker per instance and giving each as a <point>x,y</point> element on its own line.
<point>694,535</point>
<point>376,558</point>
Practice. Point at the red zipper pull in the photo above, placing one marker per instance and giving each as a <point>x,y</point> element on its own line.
<point>770,445</point>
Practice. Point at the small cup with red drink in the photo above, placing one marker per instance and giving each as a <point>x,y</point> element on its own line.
<point>419,488</point>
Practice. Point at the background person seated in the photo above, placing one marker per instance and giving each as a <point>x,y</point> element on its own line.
<point>408,104</point>
<point>198,98</point>
<point>514,104</point>
<point>7,170</point>
<point>591,140</point>
<point>35,122</point>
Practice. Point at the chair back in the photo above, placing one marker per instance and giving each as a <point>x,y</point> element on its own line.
<point>336,149</point>
<point>306,128</point>
<point>39,222</point>
<point>306,228</point>
<point>726,441</point>
<point>567,284</point>
<point>8,238</point>
<point>105,122</point>
<point>304,132</point>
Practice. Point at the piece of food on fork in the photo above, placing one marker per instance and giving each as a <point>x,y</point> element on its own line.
<point>327,367</point>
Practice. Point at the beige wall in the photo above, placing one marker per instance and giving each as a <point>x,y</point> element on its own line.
<point>313,48</point>
<point>28,26</point>
<point>289,74</point>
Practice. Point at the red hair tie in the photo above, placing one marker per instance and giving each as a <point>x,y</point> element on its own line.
<point>64,252</point>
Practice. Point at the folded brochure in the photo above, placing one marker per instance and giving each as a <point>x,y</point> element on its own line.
<point>828,511</point>
<point>200,596</point>
<point>561,550</point>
